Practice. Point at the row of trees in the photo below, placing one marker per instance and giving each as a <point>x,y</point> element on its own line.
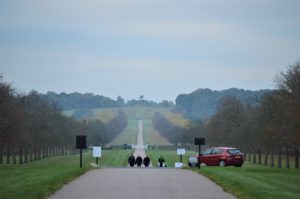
<point>99,133</point>
<point>203,103</point>
<point>270,127</point>
<point>88,101</point>
<point>32,128</point>
<point>173,133</point>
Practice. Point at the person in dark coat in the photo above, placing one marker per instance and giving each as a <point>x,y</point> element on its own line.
<point>139,161</point>
<point>131,160</point>
<point>161,161</point>
<point>146,161</point>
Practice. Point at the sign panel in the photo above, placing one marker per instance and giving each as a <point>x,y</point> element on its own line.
<point>80,141</point>
<point>199,141</point>
<point>180,151</point>
<point>96,151</point>
<point>178,164</point>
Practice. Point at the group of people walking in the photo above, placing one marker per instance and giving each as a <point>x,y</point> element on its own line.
<point>138,161</point>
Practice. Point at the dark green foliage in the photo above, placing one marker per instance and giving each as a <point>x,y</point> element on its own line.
<point>78,100</point>
<point>140,102</point>
<point>99,133</point>
<point>115,126</point>
<point>203,103</point>
<point>173,133</point>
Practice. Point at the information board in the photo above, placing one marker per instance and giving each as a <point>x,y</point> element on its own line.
<point>96,151</point>
<point>180,151</point>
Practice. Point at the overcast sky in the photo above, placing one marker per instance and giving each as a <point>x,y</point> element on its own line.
<point>156,48</point>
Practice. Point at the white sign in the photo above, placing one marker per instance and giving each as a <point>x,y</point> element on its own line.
<point>178,164</point>
<point>96,151</point>
<point>180,151</point>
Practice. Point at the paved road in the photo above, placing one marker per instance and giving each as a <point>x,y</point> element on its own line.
<point>141,183</point>
<point>140,151</point>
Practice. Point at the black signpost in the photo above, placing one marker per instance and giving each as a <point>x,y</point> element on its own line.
<point>80,144</point>
<point>199,142</point>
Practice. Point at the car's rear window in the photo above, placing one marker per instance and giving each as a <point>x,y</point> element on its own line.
<point>233,151</point>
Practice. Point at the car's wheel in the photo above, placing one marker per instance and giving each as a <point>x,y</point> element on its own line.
<point>238,165</point>
<point>222,163</point>
<point>190,164</point>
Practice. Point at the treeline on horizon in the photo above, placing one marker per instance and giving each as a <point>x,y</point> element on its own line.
<point>31,128</point>
<point>90,101</point>
<point>200,104</point>
<point>269,127</point>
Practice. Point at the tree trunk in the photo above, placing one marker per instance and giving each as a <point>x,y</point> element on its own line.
<point>21,155</point>
<point>54,150</point>
<point>272,158</point>
<point>1,155</point>
<point>39,151</point>
<point>26,155</point>
<point>35,152</point>
<point>259,156</point>
<point>43,153</point>
<point>297,158</point>
<point>51,150</point>
<point>31,152</point>
<point>14,156</point>
<point>266,159</point>
<point>7,155</point>
<point>47,152</point>
<point>249,156</point>
<point>254,156</point>
<point>279,158</point>
<point>287,158</point>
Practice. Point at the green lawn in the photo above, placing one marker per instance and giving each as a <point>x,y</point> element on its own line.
<point>39,179</point>
<point>170,156</point>
<point>256,182</point>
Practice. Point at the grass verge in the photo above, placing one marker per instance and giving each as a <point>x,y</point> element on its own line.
<point>256,182</point>
<point>170,156</point>
<point>40,179</point>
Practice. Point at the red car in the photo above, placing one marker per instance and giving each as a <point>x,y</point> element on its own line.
<point>221,156</point>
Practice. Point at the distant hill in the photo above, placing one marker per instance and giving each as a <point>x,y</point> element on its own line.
<point>80,101</point>
<point>203,103</point>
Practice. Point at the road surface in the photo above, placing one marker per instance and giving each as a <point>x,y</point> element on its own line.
<point>139,150</point>
<point>141,183</point>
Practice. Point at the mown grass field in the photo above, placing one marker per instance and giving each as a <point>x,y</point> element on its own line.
<point>256,182</point>
<point>39,179</point>
<point>170,156</point>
